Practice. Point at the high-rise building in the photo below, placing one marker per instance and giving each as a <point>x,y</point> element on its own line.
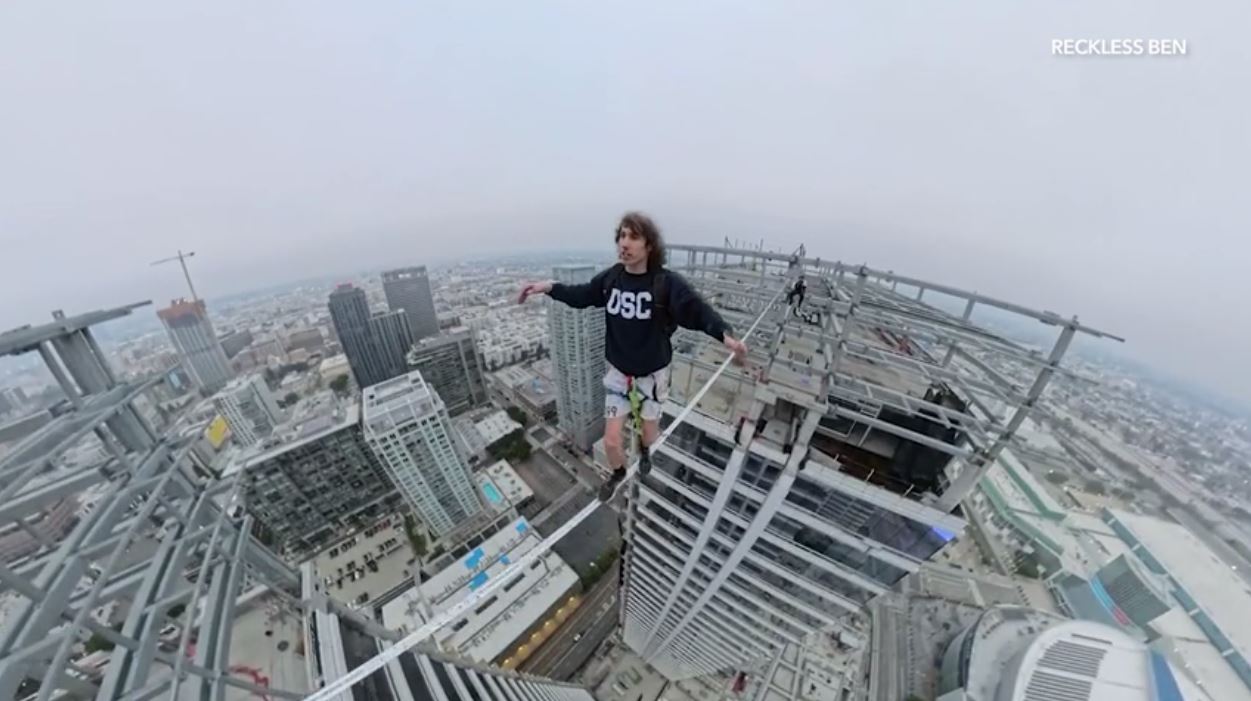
<point>249,408</point>
<point>393,337</point>
<point>192,335</point>
<point>577,338</point>
<point>317,482</point>
<point>408,428</point>
<point>409,289</point>
<point>375,349</point>
<point>801,487</point>
<point>450,363</point>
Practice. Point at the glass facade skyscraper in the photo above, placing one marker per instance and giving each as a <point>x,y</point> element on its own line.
<point>409,289</point>
<point>375,344</point>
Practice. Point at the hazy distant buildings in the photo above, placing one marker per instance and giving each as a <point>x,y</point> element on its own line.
<point>526,388</point>
<point>235,341</point>
<point>450,363</point>
<point>334,366</point>
<point>249,408</point>
<point>192,334</point>
<point>409,289</point>
<point>408,428</point>
<point>14,396</point>
<point>305,339</point>
<point>577,338</point>
<point>505,340</point>
<point>375,349</point>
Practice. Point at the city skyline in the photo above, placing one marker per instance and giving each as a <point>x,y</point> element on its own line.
<point>1207,395</point>
<point>1081,185</point>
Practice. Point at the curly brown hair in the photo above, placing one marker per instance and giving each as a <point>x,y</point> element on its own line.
<point>643,225</point>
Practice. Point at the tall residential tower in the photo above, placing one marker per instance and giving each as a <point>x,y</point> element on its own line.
<point>408,428</point>
<point>577,338</point>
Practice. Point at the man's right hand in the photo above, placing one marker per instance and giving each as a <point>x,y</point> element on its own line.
<point>534,288</point>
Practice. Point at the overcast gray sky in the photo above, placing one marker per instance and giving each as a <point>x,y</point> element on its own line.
<point>282,140</point>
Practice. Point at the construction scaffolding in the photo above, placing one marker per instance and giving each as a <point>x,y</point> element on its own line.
<point>874,415</point>
<point>172,548</point>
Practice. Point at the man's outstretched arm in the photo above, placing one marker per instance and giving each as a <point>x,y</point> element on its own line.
<point>590,294</point>
<point>692,312</point>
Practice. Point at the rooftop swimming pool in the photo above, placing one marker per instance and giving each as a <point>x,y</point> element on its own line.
<point>492,494</point>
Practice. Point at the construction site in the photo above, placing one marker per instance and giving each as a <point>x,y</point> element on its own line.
<point>785,496</point>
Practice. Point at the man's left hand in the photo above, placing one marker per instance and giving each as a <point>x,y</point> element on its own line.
<point>737,347</point>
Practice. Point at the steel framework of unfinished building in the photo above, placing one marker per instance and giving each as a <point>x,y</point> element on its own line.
<point>857,363</point>
<point>205,559</point>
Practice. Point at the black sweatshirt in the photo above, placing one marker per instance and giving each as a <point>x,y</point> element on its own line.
<point>635,344</point>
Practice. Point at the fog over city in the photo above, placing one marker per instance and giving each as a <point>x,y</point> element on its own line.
<point>289,140</point>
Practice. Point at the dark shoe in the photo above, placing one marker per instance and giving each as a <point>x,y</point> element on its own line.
<point>609,486</point>
<point>645,462</point>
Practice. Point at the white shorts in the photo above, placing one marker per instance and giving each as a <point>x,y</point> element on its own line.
<point>653,387</point>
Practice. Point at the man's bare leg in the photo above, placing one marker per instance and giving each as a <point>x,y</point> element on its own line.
<point>614,447</point>
<point>651,431</point>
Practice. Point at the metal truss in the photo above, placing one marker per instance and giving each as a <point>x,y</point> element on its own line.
<point>862,310</point>
<point>157,538</point>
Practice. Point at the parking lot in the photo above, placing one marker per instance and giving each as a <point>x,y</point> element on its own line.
<point>366,564</point>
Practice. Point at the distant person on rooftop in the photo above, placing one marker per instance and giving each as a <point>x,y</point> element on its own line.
<point>795,296</point>
<point>644,304</point>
